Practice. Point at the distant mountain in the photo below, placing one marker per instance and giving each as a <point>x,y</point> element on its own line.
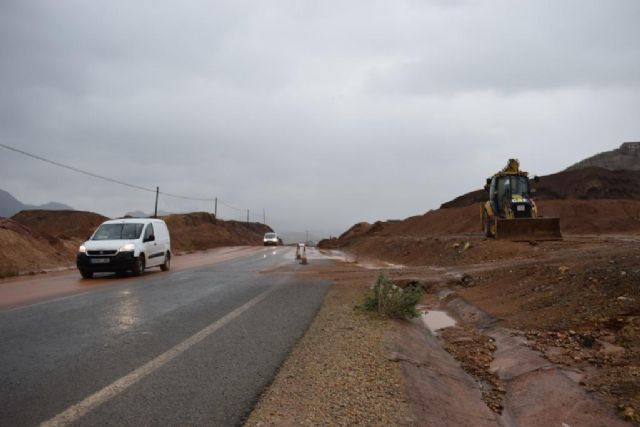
<point>10,206</point>
<point>627,157</point>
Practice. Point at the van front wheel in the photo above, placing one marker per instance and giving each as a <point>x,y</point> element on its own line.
<point>138,267</point>
<point>167,262</point>
<point>86,274</point>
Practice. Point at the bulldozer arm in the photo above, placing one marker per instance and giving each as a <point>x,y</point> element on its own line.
<point>528,229</point>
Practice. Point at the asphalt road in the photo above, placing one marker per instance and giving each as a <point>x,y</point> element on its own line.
<point>193,347</point>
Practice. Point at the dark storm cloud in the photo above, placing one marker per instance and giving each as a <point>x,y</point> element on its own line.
<point>324,113</point>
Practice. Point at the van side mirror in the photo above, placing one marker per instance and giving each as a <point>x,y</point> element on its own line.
<point>536,179</point>
<point>151,238</point>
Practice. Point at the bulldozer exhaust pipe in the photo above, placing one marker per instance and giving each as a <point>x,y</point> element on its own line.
<point>528,229</point>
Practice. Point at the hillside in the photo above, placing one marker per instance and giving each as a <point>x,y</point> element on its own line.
<point>626,157</point>
<point>202,230</point>
<point>589,183</point>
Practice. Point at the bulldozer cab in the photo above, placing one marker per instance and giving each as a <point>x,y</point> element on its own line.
<point>503,188</point>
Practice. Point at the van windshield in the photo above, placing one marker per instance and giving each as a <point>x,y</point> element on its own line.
<point>118,231</point>
<point>270,235</point>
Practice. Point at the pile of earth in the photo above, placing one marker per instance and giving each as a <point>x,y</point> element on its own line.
<point>589,183</point>
<point>413,234</point>
<point>202,230</point>
<point>37,240</point>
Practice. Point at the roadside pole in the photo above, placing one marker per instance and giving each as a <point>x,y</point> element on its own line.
<point>155,211</point>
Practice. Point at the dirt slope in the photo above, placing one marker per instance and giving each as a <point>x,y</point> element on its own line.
<point>22,250</point>
<point>201,230</point>
<point>60,224</point>
<point>585,184</point>
<point>576,217</point>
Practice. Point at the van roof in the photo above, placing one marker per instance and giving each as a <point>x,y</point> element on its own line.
<point>133,221</point>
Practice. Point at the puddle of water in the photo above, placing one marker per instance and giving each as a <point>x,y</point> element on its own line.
<point>437,319</point>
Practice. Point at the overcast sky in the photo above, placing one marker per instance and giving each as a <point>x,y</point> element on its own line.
<point>325,113</point>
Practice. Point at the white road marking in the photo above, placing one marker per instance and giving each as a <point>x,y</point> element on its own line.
<point>80,409</point>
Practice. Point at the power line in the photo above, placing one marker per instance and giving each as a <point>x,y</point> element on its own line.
<point>112,180</point>
<point>231,207</point>
<point>76,169</point>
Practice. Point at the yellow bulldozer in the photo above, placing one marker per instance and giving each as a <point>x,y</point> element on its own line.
<point>511,213</point>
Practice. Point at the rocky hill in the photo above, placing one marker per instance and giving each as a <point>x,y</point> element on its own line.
<point>627,157</point>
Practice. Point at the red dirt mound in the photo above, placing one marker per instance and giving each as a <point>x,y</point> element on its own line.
<point>201,230</point>
<point>22,250</point>
<point>70,225</point>
<point>576,217</point>
<point>585,184</point>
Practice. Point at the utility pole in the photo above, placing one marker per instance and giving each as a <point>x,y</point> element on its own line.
<point>307,241</point>
<point>247,216</point>
<point>215,209</point>
<point>264,217</point>
<point>155,212</point>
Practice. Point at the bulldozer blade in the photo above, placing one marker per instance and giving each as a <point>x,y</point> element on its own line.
<point>528,229</point>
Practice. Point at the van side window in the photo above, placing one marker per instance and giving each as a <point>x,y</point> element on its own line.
<point>148,232</point>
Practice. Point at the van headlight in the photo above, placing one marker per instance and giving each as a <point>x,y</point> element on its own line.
<point>128,247</point>
<point>82,249</point>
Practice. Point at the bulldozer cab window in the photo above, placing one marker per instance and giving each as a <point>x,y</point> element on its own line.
<point>513,185</point>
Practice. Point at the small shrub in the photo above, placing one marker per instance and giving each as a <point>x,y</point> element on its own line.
<point>389,300</point>
<point>8,271</point>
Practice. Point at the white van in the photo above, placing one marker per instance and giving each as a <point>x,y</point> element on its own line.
<point>120,245</point>
<point>270,239</point>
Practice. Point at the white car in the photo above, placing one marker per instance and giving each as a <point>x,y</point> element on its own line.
<point>270,239</point>
<point>120,245</point>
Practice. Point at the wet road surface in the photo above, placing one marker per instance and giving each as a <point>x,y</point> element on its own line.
<point>193,347</point>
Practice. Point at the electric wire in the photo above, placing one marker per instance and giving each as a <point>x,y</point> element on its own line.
<point>112,180</point>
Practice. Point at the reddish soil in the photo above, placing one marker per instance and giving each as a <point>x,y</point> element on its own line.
<point>76,225</point>
<point>576,301</point>
<point>201,230</point>
<point>576,217</point>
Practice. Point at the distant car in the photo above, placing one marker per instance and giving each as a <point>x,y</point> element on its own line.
<point>132,244</point>
<point>271,239</point>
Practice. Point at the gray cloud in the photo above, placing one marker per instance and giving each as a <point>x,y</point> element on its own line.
<point>324,113</point>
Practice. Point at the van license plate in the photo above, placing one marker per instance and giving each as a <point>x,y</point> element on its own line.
<point>520,208</point>
<point>99,260</point>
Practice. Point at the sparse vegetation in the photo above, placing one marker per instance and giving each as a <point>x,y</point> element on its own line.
<point>387,299</point>
<point>8,271</point>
